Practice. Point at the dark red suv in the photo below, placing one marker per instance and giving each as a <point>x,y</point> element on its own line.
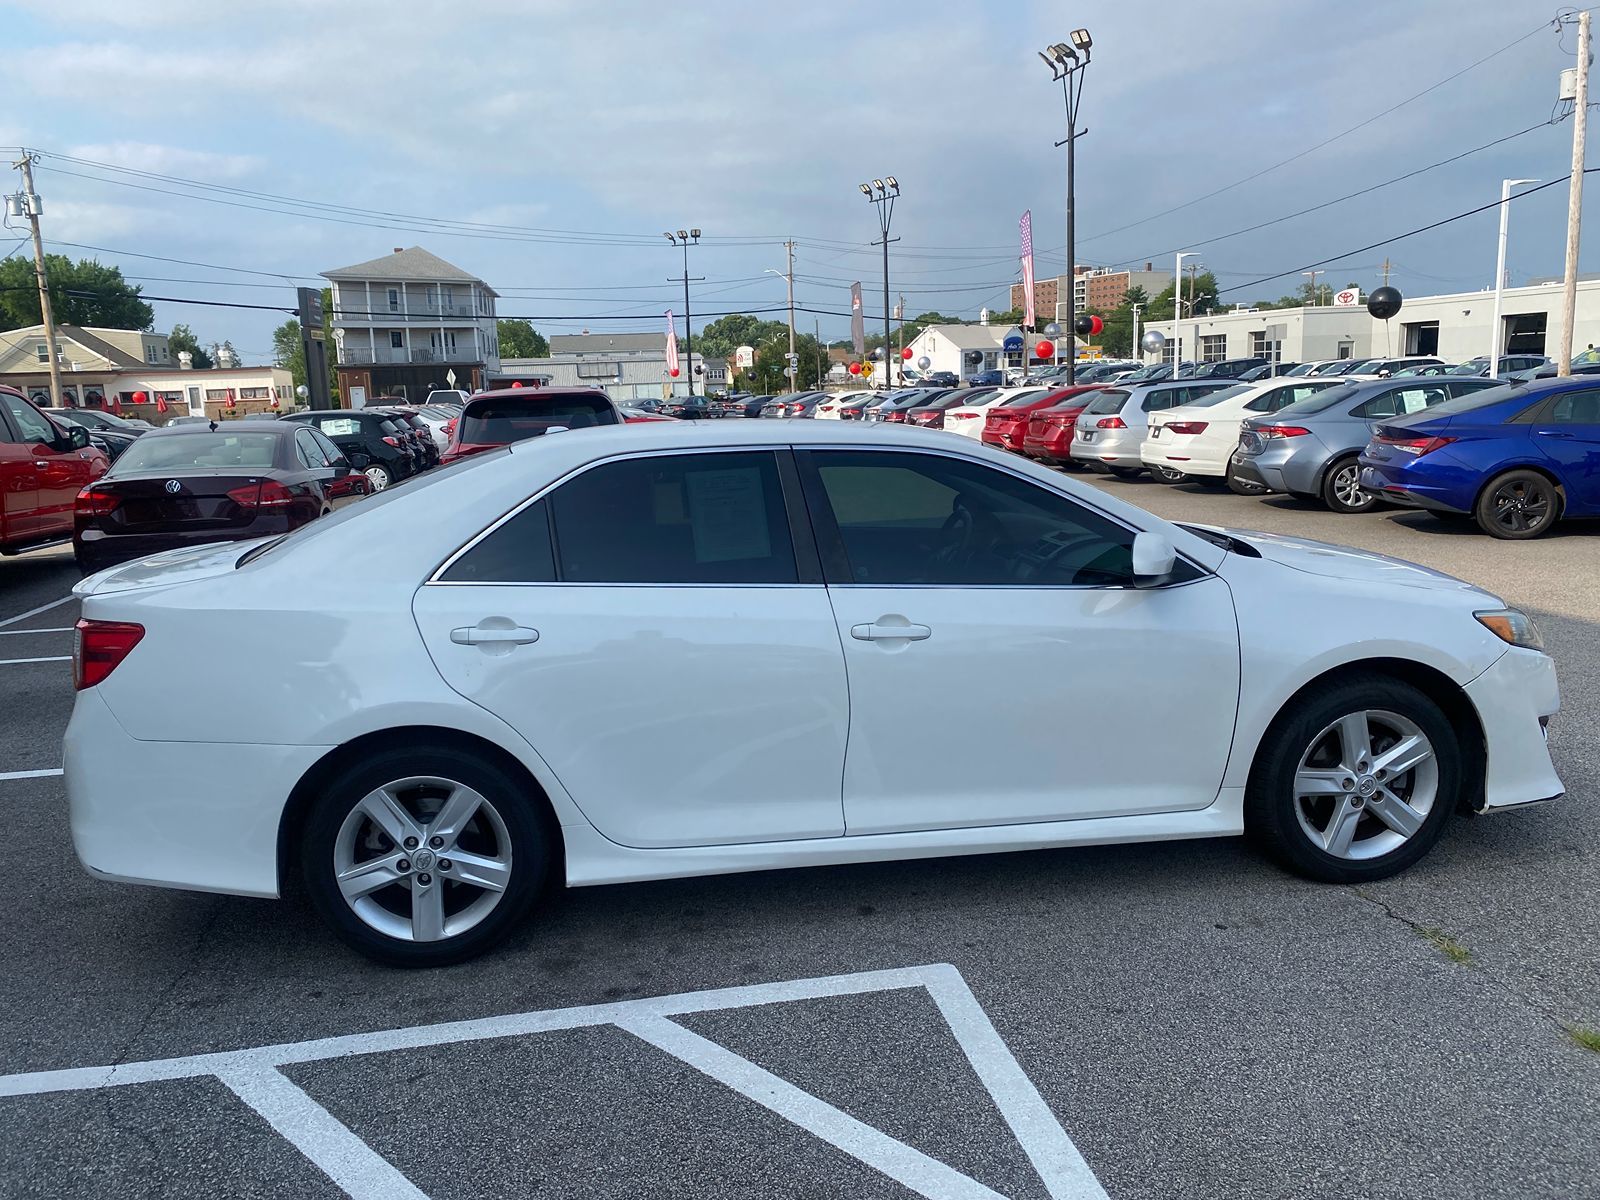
<point>43,467</point>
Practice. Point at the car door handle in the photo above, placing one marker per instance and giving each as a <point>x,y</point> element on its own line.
<point>1551,433</point>
<point>477,635</point>
<point>41,462</point>
<point>877,632</point>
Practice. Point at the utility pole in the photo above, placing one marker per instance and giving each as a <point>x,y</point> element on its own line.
<point>1580,125</point>
<point>30,201</point>
<point>1133,352</point>
<point>1387,267</point>
<point>793,361</point>
<point>1313,293</point>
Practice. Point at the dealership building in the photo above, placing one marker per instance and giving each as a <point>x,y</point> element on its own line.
<point>1454,327</point>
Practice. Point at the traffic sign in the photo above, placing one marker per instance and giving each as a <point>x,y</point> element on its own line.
<point>450,377</point>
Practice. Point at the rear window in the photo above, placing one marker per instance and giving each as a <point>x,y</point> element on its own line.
<point>249,451</point>
<point>339,426</point>
<point>1321,402</point>
<point>1219,395</point>
<point>496,422</point>
<point>1022,398</point>
<point>1463,404</point>
<point>1109,401</point>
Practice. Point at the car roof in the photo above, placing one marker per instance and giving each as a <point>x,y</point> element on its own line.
<point>247,424</point>
<point>523,393</point>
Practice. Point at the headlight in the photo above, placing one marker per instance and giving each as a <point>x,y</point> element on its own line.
<point>1512,626</point>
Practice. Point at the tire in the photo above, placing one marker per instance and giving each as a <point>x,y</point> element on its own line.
<point>1241,486</point>
<point>1341,487</point>
<point>1166,475</point>
<point>1124,472</point>
<point>1334,836</point>
<point>378,476</point>
<point>1518,505</point>
<point>503,833</point>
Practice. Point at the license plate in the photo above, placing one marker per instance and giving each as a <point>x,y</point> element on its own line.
<point>1086,435</point>
<point>1155,431</point>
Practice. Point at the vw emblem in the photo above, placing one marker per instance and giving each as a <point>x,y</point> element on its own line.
<point>174,487</point>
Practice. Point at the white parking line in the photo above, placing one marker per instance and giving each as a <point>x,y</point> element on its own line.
<point>20,632</point>
<point>4,775</point>
<point>12,662</point>
<point>255,1076</point>
<point>34,612</point>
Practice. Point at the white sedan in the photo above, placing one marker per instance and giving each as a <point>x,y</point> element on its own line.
<point>1198,438</point>
<point>968,419</point>
<point>828,407</point>
<point>430,705</point>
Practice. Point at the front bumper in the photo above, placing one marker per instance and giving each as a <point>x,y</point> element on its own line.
<point>1515,698</point>
<point>202,816</point>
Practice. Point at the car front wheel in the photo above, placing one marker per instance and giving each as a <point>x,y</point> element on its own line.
<point>1356,782</point>
<point>423,856</point>
<point>1518,505</point>
<point>377,476</point>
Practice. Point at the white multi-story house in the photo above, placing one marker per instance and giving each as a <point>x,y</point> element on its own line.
<point>404,323</point>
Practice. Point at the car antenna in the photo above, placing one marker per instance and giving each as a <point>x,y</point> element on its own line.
<point>213,427</point>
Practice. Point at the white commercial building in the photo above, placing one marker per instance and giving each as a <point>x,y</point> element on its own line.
<point>962,350</point>
<point>628,366</point>
<point>1454,327</point>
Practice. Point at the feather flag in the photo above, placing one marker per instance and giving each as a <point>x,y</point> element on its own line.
<point>1028,314</point>
<point>672,345</point>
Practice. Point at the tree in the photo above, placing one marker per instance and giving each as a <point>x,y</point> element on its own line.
<point>182,338</point>
<point>519,339</point>
<point>723,336</point>
<point>1199,296</point>
<point>288,351</point>
<point>906,332</point>
<point>81,293</point>
<point>768,377</point>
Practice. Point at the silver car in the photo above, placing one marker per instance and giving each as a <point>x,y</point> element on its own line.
<point>1113,426</point>
<point>1309,449</point>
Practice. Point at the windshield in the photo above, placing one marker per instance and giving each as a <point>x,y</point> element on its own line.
<point>1149,371</point>
<point>1221,394</point>
<point>1348,368</point>
<point>1109,401</point>
<point>199,451</point>
<point>1302,369</point>
<point>496,422</point>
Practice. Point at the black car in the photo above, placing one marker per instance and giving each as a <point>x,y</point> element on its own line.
<point>690,408</point>
<point>187,485</point>
<point>373,443</point>
<point>99,419</point>
<point>111,440</point>
<point>422,440</point>
<point>750,406</point>
<point>1228,368</point>
<point>940,379</point>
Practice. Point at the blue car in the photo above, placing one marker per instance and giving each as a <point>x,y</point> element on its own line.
<point>1516,458</point>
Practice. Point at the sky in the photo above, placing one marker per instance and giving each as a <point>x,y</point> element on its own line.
<point>544,145</point>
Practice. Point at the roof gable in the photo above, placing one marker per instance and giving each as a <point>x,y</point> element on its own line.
<point>413,263</point>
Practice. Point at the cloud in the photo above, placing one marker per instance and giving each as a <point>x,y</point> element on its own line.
<point>204,165</point>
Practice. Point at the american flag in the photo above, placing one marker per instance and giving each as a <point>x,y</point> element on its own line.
<point>672,345</point>
<point>1027,268</point>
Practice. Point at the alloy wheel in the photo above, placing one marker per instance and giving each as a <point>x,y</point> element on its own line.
<point>1366,784</point>
<point>1346,491</point>
<point>1520,505</point>
<point>422,859</point>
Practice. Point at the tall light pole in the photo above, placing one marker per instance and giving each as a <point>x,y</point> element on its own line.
<point>682,238</point>
<point>1067,65</point>
<point>1177,308</point>
<point>882,192</point>
<point>1134,349</point>
<point>1496,334</point>
<point>1580,126</point>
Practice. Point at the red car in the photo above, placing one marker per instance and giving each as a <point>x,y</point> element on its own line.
<point>1006,425</point>
<point>494,419</point>
<point>1050,430</point>
<point>43,467</point>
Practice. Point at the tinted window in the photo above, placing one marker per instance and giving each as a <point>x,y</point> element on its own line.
<point>1401,401</point>
<point>496,422</point>
<point>1463,387</point>
<point>689,518</point>
<point>332,453</point>
<point>1575,408</point>
<point>1201,398</point>
<point>306,449</point>
<point>247,451</point>
<point>1480,399</point>
<point>1158,399</point>
<point>1108,401</point>
<point>927,519</point>
<point>517,552</point>
<point>1022,398</point>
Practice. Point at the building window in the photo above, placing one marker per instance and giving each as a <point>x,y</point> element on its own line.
<point>1261,347</point>
<point>255,393</point>
<point>42,352</point>
<point>394,299</point>
<point>150,352</point>
<point>170,397</point>
<point>1213,347</point>
<point>218,394</point>
<point>397,340</point>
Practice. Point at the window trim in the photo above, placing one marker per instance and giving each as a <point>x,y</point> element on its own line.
<point>808,570</point>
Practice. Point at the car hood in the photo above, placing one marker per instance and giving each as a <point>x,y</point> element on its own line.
<point>167,567</point>
<point>1346,562</point>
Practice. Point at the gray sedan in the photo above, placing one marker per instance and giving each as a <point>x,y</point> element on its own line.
<point>1115,423</point>
<point>1309,449</point>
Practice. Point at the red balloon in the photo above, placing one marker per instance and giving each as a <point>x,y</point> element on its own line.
<point>855,368</point>
<point>905,352</point>
<point>1095,325</point>
<point>516,383</point>
<point>1044,350</point>
<point>139,397</point>
<point>673,372</point>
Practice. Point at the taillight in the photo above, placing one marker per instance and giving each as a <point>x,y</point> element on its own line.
<point>449,427</point>
<point>269,493</point>
<point>1186,426</point>
<point>1280,431</point>
<point>1114,423</point>
<point>98,647</point>
<point>94,503</point>
<point>390,441</point>
<point>1418,446</point>
<point>961,416</point>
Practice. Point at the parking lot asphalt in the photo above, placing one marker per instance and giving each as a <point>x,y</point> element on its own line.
<point>1197,1023</point>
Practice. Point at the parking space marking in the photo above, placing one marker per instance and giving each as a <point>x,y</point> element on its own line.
<point>354,1166</point>
<point>4,775</point>
<point>34,612</point>
<point>16,662</point>
<point>20,632</point>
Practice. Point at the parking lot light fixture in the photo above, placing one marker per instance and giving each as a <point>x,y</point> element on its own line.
<point>887,189</point>
<point>683,238</point>
<point>1082,40</point>
<point>1067,68</point>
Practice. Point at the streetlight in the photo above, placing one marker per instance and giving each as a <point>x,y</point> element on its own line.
<point>1496,334</point>
<point>1177,300</point>
<point>1067,65</point>
<point>682,238</point>
<point>882,192</point>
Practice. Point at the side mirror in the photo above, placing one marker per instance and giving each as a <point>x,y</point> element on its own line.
<point>77,437</point>
<point>1153,560</point>
<point>341,468</point>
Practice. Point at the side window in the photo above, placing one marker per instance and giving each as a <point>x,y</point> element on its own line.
<point>1157,400</point>
<point>307,450</point>
<point>29,421</point>
<point>1267,401</point>
<point>1465,387</point>
<point>928,519</point>
<point>332,453</point>
<point>1575,408</point>
<point>1387,404</point>
<point>675,518</point>
<point>519,551</point>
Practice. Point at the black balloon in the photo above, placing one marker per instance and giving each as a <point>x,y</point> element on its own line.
<point>1384,303</point>
<point>974,357</point>
<point>1084,325</point>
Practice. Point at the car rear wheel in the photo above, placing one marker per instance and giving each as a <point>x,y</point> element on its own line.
<point>1355,782</point>
<point>1342,491</point>
<point>1518,505</point>
<point>423,856</point>
<point>378,476</point>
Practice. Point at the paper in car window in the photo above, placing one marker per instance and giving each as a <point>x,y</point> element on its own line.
<point>728,515</point>
<point>340,426</point>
